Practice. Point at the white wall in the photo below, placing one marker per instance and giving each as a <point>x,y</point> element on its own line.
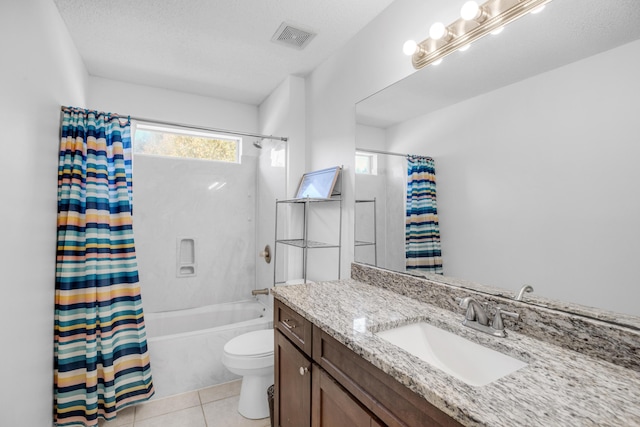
<point>40,71</point>
<point>372,60</point>
<point>281,114</point>
<point>538,181</point>
<point>163,104</point>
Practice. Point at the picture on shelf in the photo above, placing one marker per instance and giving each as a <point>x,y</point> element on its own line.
<point>319,184</point>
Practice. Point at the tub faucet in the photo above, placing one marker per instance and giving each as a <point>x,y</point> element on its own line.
<point>525,288</point>
<point>264,291</point>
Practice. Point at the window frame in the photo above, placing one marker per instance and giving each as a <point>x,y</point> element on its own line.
<point>185,130</point>
<point>373,163</point>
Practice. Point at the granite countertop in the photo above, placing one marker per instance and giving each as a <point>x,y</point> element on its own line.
<point>558,387</point>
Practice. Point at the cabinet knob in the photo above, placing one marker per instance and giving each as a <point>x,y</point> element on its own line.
<point>303,370</point>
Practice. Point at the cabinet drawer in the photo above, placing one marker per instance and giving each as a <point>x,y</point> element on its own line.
<point>372,387</point>
<point>293,326</point>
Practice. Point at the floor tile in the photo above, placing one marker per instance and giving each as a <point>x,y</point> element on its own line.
<point>166,405</point>
<point>221,391</point>
<point>123,419</point>
<point>190,417</point>
<point>224,413</point>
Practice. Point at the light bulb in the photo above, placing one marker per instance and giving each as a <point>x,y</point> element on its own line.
<point>469,10</point>
<point>465,47</point>
<point>437,31</point>
<point>409,47</point>
<point>497,31</point>
<point>438,62</point>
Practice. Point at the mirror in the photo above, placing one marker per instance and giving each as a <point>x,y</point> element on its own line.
<point>534,140</point>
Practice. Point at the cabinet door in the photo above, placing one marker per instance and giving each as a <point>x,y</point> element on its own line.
<point>292,400</point>
<point>332,406</point>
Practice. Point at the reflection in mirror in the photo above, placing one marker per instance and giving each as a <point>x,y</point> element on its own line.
<point>380,212</point>
<point>535,148</point>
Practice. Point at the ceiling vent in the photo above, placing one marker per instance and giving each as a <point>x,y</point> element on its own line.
<point>291,36</point>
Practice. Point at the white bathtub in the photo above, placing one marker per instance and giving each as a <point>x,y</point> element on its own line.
<point>185,346</point>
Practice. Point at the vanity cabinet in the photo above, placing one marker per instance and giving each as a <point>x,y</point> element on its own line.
<point>292,399</point>
<point>333,406</point>
<point>319,382</point>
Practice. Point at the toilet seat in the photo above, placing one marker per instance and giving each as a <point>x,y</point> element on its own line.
<point>252,344</point>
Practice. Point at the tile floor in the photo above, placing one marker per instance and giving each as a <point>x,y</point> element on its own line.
<point>210,407</point>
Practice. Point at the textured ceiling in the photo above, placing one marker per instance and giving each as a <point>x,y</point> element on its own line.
<point>219,48</point>
<point>566,31</point>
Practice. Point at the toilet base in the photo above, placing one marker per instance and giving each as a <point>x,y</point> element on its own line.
<point>253,396</point>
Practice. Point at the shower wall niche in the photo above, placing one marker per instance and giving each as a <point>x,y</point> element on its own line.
<point>199,217</point>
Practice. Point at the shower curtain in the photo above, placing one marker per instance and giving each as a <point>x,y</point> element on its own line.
<point>422,232</point>
<point>101,362</point>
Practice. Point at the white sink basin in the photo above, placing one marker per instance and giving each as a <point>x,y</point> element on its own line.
<point>471,363</point>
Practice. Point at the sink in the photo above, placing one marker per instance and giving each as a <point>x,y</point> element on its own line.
<point>469,362</point>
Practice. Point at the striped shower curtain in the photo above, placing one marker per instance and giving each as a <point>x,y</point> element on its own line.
<point>101,362</point>
<point>422,232</point>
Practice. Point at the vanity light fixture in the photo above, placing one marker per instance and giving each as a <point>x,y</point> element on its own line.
<point>476,21</point>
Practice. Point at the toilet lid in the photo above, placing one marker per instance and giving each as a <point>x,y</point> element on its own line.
<point>252,344</point>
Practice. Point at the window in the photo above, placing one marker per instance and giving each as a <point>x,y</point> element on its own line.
<point>366,163</point>
<point>186,143</point>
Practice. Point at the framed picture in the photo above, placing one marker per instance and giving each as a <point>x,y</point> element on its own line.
<point>319,184</point>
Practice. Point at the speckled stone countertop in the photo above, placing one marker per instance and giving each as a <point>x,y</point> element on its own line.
<point>558,387</point>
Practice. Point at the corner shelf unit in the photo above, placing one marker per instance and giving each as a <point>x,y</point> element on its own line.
<point>304,243</point>
<point>360,243</point>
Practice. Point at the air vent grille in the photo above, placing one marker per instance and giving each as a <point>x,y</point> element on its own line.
<point>291,36</point>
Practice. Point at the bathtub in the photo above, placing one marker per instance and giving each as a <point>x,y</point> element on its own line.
<point>185,346</point>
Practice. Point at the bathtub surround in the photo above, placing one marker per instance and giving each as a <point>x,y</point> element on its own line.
<point>558,387</point>
<point>186,345</point>
<point>208,203</point>
<point>101,362</point>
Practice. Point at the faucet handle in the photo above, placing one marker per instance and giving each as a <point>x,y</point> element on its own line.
<point>497,318</point>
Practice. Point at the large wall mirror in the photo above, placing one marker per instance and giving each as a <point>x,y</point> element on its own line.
<point>535,140</point>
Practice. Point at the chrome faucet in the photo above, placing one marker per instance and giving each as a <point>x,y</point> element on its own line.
<point>476,317</point>
<point>525,288</point>
<point>475,311</point>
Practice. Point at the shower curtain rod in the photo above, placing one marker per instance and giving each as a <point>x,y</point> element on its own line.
<point>204,128</point>
<point>366,150</point>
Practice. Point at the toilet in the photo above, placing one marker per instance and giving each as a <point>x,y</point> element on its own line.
<point>251,356</point>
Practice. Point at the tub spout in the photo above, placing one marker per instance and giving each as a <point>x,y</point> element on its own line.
<point>264,291</point>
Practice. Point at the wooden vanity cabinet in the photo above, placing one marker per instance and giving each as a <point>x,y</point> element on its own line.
<point>319,382</point>
<point>332,406</point>
<point>292,368</point>
<point>390,401</point>
<point>292,397</point>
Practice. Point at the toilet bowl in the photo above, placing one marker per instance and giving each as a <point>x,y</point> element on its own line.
<point>251,356</point>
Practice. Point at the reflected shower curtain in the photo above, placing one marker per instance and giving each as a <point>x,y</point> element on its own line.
<point>422,231</point>
<point>101,362</point>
